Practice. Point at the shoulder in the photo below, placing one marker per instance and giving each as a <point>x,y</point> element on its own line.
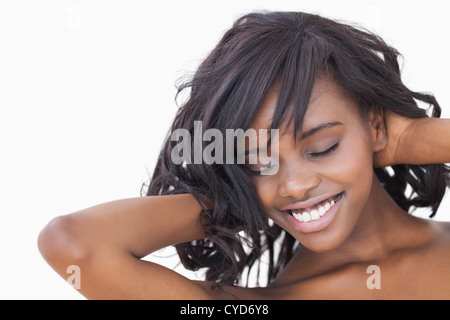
<point>430,263</point>
<point>443,242</point>
<point>442,232</point>
<point>435,244</point>
<point>435,254</point>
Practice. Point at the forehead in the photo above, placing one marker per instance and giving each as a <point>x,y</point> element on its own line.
<point>328,102</point>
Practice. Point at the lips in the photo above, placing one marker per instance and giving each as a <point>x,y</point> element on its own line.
<point>315,214</point>
<point>316,211</point>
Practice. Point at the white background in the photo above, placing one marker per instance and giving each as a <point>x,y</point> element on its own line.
<point>87,96</point>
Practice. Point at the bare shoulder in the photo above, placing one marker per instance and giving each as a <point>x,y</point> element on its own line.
<point>435,256</point>
<point>437,247</point>
<point>442,234</point>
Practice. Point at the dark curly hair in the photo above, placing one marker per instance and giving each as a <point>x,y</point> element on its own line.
<point>226,92</point>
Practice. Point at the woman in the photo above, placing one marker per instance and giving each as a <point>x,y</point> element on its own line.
<point>328,205</point>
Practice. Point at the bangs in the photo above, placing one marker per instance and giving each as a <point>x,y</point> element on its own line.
<point>250,62</point>
<point>304,63</point>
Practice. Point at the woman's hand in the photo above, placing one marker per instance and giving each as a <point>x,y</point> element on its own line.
<point>400,133</point>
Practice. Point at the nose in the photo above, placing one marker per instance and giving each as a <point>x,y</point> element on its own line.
<point>298,183</point>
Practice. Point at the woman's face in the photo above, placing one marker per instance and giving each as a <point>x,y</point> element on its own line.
<point>324,179</point>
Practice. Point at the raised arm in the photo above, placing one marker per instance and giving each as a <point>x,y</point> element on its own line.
<point>414,141</point>
<point>107,241</point>
<point>428,142</point>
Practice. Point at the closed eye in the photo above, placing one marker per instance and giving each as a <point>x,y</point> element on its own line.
<point>324,153</point>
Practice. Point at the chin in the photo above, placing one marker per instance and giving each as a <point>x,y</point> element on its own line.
<point>323,243</point>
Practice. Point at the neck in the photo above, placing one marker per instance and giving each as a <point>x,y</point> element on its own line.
<point>379,228</point>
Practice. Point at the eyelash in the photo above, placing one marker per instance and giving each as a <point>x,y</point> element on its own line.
<point>324,153</point>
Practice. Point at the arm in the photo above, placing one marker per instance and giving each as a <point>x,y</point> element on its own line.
<point>108,240</point>
<point>427,142</point>
<point>414,141</point>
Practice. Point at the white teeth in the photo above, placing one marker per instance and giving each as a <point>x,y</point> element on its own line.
<point>322,210</point>
<point>303,215</point>
<point>298,216</point>
<point>306,217</point>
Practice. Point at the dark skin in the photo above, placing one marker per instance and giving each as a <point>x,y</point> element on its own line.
<point>107,241</point>
<point>370,228</point>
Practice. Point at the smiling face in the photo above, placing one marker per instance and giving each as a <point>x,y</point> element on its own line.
<point>324,178</point>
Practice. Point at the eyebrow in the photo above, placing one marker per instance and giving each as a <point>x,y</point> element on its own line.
<point>318,128</point>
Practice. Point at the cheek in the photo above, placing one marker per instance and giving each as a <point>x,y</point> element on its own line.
<point>353,165</point>
<point>353,171</point>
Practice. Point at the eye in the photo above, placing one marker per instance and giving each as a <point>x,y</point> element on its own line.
<point>324,153</point>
